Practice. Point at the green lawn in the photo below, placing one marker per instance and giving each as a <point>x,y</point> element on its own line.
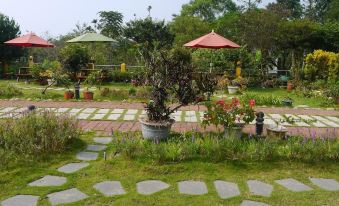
<point>14,180</point>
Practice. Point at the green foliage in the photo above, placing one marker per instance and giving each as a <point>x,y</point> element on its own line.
<point>208,10</point>
<point>215,148</point>
<point>322,65</point>
<point>40,71</point>
<point>9,29</point>
<point>118,76</point>
<point>268,100</point>
<point>132,91</point>
<point>74,57</point>
<point>92,79</point>
<point>332,90</point>
<point>38,133</point>
<point>10,91</point>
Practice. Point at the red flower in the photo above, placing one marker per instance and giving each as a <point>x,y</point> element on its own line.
<point>227,107</point>
<point>221,102</point>
<point>252,103</point>
<point>235,102</point>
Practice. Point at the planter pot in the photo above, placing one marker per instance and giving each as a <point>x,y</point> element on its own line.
<point>155,131</point>
<point>88,95</point>
<point>287,102</point>
<point>276,132</point>
<point>68,95</point>
<point>235,132</point>
<point>232,89</point>
<point>290,86</point>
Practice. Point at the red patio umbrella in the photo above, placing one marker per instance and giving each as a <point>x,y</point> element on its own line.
<point>29,40</point>
<point>212,41</point>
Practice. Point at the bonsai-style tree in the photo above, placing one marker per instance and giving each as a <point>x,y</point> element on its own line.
<point>74,57</point>
<point>170,74</point>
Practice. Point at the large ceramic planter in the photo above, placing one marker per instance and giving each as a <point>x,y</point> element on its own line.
<point>276,132</point>
<point>232,89</point>
<point>68,95</point>
<point>290,86</point>
<point>88,95</point>
<point>155,131</point>
<point>235,132</point>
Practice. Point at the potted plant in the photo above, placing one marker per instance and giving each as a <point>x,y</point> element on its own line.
<point>287,101</point>
<point>90,81</point>
<point>237,85</point>
<point>65,81</point>
<point>170,75</point>
<point>231,116</point>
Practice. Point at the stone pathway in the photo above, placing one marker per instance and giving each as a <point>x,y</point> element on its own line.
<point>224,189</point>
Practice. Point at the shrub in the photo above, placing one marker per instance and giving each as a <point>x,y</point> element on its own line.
<point>10,91</point>
<point>268,100</point>
<point>118,76</point>
<point>215,148</point>
<point>132,91</point>
<point>74,57</point>
<point>332,90</point>
<point>38,133</point>
<point>116,94</point>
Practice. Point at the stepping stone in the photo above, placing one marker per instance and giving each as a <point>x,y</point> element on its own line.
<point>335,119</point>
<point>305,117</point>
<point>149,187</point>
<point>87,156</point>
<point>176,118</point>
<point>129,117</point>
<point>190,113</point>
<point>110,188</point>
<point>293,185</point>
<point>83,116</point>
<point>132,111</point>
<point>96,148</point>
<point>253,203</point>
<point>192,188</point>
<point>103,140</point>
<point>48,181</point>
<point>118,111</point>
<point>191,119</point>
<point>89,110</point>
<point>66,196</point>
<point>114,117</point>
<point>177,113</point>
<point>269,122</point>
<point>72,167</point>
<point>21,200</point>
<point>260,188</point>
<point>75,110</point>
<point>326,184</point>
<point>98,116</point>
<point>8,109</point>
<point>62,110</point>
<point>103,111</point>
<point>226,189</point>
<point>276,116</point>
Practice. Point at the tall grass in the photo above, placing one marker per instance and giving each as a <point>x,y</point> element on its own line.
<point>10,91</point>
<point>213,148</point>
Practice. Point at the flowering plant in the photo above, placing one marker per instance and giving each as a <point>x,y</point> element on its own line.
<point>229,115</point>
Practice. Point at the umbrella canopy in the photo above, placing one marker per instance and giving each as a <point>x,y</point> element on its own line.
<point>91,37</point>
<point>29,40</point>
<point>212,41</point>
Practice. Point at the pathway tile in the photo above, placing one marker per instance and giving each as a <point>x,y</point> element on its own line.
<point>89,110</point>
<point>326,121</point>
<point>7,109</point>
<point>297,120</point>
<point>75,110</point>
<point>277,117</point>
<point>48,181</point>
<point>252,203</point>
<point>226,189</point>
<point>83,116</point>
<point>98,116</point>
<point>335,119</point>
<point>129,117</point>
<point>176,118</point>
<point>305,117</point>
<point>114,116</point>
<point>190,113</point>
<point>110,188</point>
<point>96,148</point>
<point>21,200</point>
<point>260,188</point>
<point>118,111</point>
<point>131,112</point>
<point>326,184</point>
<point>293,185</point>
<point>66,196</point>
<point>192,188</point>
<point>177,113</point>
<point>149,187</point>
<point>102,140</point>
<point>269,122</point>
<point>73,167</point>
<point>103,111</point>
<point>62,110</point>
<point>87,156</point>
<point>191,119</point>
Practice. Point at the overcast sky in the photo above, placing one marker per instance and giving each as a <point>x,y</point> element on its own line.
<point>60,16</point>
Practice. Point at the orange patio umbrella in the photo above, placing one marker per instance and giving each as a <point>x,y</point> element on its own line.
<point>29,40</point>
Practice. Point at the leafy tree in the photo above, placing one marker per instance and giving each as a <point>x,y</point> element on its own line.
<point>208,10</point>
<point>291,9</point>
<point>227,26</point>
<point>110,23</point>
<point>332,13</point>
<point>9,29</point>
<point>149,33</point>
<point>250,4</point>
<point>74,57</point>
<point>187,28</point>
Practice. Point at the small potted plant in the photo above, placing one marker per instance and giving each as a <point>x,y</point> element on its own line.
<point>237,85</point>
<point>232,116</point>
<point>90,81</point>
<point>65,81</point>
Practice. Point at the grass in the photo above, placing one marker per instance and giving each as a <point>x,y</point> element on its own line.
<point>283,93</point>
<point>15,177</point>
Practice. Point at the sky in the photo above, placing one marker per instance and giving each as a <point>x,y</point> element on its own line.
<point>60,16</point>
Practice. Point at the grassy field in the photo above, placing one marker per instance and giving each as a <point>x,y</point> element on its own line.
<point>15,176</point>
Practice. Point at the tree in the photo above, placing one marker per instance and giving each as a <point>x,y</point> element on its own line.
<point>208,10</point>
<point>250,4</point>
<point>291,9</point>
<point>9,29</point>
<point>332,13</point>
<point>74,57</point>
<point>149,33</point>
<point>110,23</point>
<point>187,28</point>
